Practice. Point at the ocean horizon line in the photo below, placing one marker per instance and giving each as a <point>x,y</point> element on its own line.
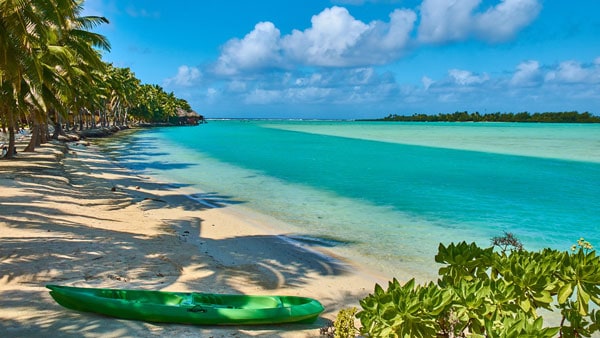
<point>277,119</point>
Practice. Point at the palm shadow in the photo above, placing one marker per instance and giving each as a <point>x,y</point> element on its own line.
<point>87,252</point>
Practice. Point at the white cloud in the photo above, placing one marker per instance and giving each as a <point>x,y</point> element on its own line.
<point>450,20</point>
<point>531,86</point>
<point>343,86</point>
<point>308,80</point>
<point>263,96</point>
<point>337,39</point>
<point>385,41</point>
<point>259,49</point>
<point>504,20</point>
<point>427,82</point>
<point>447,98</point>
<point>528,74</point>
<point>309,94</point>
<point>334,39</point>
<point>211,95</point>
<point>466,78</point>
<point>212,92</point>
<point>572,71</point>
<point>333,61</point>
<point>237,86</point>
<point>444,20</point>
<point>332,35</point>
<point>297,95</point>
<point>186,76</point>
<point>361,76</point>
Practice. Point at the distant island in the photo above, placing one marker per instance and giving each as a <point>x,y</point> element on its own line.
<point>549,117</point>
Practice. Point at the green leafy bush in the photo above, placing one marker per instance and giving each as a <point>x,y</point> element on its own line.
<point>343,327</point>
<point>484,293</point>
<point>344,323</point>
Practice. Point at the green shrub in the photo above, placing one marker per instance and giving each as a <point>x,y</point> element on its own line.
<point>343,327</point>
<point>344,323</point>
<point>484,293</point>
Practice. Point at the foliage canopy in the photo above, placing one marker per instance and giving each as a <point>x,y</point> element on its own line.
<point>52,72</point>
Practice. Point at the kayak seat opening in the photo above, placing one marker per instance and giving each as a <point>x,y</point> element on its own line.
<point>143,297</point>
<point>208,299</point>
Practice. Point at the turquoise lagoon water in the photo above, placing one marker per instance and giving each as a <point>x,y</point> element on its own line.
<point>386,194</point>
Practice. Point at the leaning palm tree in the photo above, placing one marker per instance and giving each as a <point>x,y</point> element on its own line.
<point>124,91</point>
<point>42,42</point>
<point>78,61</point>
<point>23,32</point>
<point>74,56</point>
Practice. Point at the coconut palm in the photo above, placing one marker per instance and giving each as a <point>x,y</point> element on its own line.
<point>124,91</point>
<point>22,34</point>
<point>70,62</point>
<point>45,45</point>
<point>154,105</point>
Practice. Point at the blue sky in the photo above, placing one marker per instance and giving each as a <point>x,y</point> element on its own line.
<point>361,58</point>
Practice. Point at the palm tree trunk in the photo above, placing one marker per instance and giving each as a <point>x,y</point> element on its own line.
<point>57,124</point>
<point>11,135</point>
<point>33,141</point>
<point>80,119</point>
<point>104,117</point>
<point>44,134</point>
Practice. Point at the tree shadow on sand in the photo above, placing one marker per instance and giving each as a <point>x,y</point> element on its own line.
<point>86,257</point>
<point>88,251</point>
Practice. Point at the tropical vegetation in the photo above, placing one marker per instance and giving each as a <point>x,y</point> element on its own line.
<point>52,73</point>
<point>464,116</point>
<point>499,291</point>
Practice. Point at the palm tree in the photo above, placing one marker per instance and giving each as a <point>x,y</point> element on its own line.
<point>22,33</point>
<point>44,45</point>
<point>154,105</point>
<point>70,61</point>
<point>124,92</point>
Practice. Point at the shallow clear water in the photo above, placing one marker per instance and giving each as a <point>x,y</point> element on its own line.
<point>386,194</point>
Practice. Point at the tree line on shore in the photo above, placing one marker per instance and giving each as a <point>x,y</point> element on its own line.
<point>464,116</point>
<point>52,73</point>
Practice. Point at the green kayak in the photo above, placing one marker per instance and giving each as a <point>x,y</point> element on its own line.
<point>188,307</point>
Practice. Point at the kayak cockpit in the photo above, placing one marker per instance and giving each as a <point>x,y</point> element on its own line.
<point>193,299</point>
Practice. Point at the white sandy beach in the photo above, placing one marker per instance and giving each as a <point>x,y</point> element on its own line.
<point>61,222</point>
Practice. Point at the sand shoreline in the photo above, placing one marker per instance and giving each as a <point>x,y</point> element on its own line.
<point>69,216</point>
